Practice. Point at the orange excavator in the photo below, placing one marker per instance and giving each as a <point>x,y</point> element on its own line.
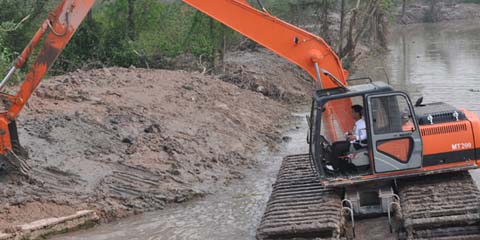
<point>411,165</point>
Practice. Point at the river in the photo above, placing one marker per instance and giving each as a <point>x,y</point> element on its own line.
<point>440,62</point>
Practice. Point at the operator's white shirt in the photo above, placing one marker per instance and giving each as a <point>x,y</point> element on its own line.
<point>360,130</point>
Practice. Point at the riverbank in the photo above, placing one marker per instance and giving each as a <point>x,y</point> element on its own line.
<point>125,141</point>
<point>442,11</point>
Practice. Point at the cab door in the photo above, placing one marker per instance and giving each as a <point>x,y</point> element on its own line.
<point>395,140</point>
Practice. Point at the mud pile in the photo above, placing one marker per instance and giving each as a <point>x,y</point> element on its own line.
<point>264,72</point>
<point>125,141</point>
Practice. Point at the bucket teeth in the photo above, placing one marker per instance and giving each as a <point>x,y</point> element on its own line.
<point>19,162</point>
<point>299,206</point>
<point>18,157</point>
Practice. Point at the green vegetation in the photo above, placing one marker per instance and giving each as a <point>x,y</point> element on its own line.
<point>15,19</point>
<point>154,33</point>
<point>157,33</point>
<point>149,36</point>
<point>6,53</point>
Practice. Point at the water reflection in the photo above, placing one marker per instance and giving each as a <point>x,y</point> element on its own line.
<point>440,62</point>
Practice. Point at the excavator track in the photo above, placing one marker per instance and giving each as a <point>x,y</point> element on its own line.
<point>440,207</point>
<point>299,206</point>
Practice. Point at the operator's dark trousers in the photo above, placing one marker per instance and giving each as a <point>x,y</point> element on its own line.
<point>340,148</point>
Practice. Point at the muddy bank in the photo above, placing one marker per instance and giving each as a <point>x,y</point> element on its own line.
<point>421,12</point>
<point>264,72</point>
<point>125,141</point>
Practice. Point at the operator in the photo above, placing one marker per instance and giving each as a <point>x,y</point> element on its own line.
<point>357,139</point>
<point>358,136</point>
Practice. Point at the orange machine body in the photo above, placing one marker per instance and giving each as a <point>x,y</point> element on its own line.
<point>451,143</point>
<point>447,147</point>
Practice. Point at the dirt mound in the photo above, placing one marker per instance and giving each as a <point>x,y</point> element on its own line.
<point>132,140</point>
<point>264,72</point>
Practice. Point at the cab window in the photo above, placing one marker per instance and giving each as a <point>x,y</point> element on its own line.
<point>391,114</point>
<point>331,123</point>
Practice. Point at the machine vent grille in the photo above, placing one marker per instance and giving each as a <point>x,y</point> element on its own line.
<point>444,129</point>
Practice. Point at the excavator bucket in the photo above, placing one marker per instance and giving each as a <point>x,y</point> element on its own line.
<point>18,157</point>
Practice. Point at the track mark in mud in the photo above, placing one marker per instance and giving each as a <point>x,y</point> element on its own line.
<point>141,189</point>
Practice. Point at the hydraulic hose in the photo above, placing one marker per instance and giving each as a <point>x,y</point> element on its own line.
<point>261,6</point>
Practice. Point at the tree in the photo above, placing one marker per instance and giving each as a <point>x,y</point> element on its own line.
<point>325,20</point>
<point>217,38</point>
<point>131,20</point>
<point>431,14</point>
<point>359,20</point>
<point>342,26</point>
<point>366,17</point>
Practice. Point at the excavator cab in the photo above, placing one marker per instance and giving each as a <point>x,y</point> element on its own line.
<point>393,141</point>
<point>410,152</point>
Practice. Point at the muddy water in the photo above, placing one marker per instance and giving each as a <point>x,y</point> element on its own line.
<point>230,213</point>
<point>438,61</point>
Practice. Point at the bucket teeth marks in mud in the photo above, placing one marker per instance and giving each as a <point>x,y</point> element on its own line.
<point>18,162</point>
<point>51,180</point>
<point>441,207</point>
<point>49,183</point>
<point>299,206</point>
<point>135,189</point>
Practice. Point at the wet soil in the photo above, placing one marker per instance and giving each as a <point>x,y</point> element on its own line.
<point>125,141</point>
<point>372,229</point>
<point>262,71</point>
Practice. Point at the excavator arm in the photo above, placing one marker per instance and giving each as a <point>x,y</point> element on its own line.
<point>59,27</point>
<point>304,49</point>
<point>61,24</point>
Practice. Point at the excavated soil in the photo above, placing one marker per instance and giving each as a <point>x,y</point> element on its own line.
<point>125,141</point>
<point>264,72</point>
